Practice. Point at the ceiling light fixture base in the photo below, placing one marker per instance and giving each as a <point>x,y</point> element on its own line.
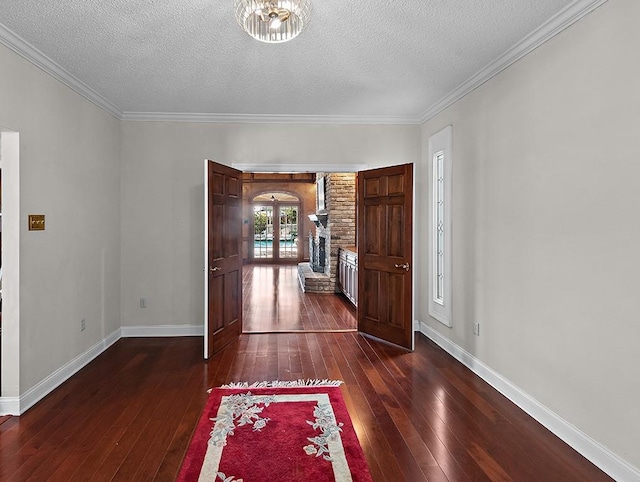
<point>273,21</point>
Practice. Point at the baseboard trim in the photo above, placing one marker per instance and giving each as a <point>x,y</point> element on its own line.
<point>9,405</point>
<point>600,456</point>
<point>416,325</point>
<point>62,374</point>
<point>161,331</point>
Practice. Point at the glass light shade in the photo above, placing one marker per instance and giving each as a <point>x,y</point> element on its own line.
<point>259,18</point>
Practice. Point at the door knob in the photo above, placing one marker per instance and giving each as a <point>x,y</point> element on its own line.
<point>214,269</point>
<point>404,266</point>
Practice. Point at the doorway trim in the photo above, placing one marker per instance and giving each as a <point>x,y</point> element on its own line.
<point>276,213</point>
<point>348,167</point>
<point>289,168</point>
<point>10,363</point>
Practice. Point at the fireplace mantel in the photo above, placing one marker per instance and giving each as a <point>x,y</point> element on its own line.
<point>319,218</point>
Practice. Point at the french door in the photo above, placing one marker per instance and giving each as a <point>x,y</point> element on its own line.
<point>275,228</point>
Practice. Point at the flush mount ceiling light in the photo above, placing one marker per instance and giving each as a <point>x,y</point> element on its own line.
<point>273,21</point>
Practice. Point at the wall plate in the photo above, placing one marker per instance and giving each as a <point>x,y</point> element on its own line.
<point>36,222</point>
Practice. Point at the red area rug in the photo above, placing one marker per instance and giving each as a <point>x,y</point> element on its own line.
<point>275,431</point>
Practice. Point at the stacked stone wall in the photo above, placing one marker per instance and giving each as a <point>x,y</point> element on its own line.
<point>340,232</point>
<point>341,228</point>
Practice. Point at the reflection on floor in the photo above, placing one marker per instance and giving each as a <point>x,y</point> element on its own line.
<point>274,302</point>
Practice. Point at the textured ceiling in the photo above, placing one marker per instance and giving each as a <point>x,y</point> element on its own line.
<point>366,58</point>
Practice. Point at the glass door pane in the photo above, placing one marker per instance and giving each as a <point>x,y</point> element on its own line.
<point>263,232</point>
<point>288,232</point>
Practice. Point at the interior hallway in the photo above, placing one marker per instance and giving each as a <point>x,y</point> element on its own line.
<point>274,302</point>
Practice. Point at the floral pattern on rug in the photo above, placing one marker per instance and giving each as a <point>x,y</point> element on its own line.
<point>224,478</point>
<point>243,410</point>
<point>330,432</point>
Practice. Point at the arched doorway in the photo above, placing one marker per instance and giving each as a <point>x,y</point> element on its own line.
<point>275,228</point>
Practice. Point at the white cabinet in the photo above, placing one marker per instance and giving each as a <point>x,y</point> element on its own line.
<point>348,274</point>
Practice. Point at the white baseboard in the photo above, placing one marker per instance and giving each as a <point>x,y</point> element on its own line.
<point>162,330</point>
<point>36,393</point>
<point>9,405</point>
<point>593,451</point>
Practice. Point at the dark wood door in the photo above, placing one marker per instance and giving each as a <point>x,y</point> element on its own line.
<point>223,278</point>
<point>385,211</point>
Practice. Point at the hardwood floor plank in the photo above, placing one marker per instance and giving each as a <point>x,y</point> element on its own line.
<point>170,465</point>
<point>401,419</point>
<point>316,357</point>
<point>274,302</point>
<point>383,404</point>
<point>222,363</point>
<point>437,411</point>
<point>140,430</point>
<point>54,437</point>
<point>375,428</point>
<point>295,362</point>
<point>75,449</point>
<point>148,455</point>
<point>284,365</point>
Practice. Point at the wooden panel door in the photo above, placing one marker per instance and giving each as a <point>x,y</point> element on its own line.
<point>385,215</point>
<point>223,264</point>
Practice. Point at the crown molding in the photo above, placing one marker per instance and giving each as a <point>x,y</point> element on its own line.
<point>17,44</point>
<point>266,119</point>
<point>565,18</point>
<point>549,29</point>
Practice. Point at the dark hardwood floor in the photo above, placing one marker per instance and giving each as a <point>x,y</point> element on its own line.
<point>274,302</point>
<point>129,415</point>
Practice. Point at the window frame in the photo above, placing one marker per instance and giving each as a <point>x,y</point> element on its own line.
<point>440,303</point>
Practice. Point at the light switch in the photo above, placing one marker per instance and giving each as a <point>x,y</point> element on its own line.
<point>36,222</point>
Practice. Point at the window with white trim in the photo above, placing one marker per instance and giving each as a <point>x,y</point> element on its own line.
<point>440,283</point>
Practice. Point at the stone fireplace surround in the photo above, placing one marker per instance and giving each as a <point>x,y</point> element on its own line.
<point>340,231</point>
<point>317,253</point>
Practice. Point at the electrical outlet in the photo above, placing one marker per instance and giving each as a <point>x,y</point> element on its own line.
<point>83,324</point>
<point>476,329</point>
<point>143,302</point>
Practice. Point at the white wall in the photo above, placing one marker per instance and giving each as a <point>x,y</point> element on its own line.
<point>546,226</point>
<point>162,196</point>
<point>69,171</point>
